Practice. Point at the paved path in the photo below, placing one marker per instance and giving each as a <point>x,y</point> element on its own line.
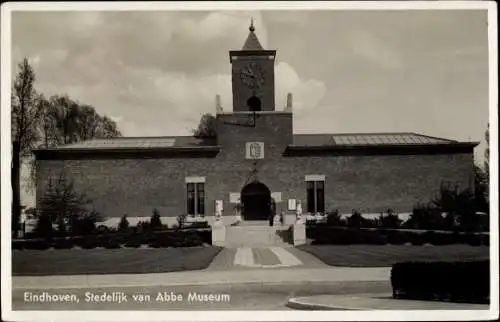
<point>207,277</point>
<point>374,302</point>
<point>264,257</point>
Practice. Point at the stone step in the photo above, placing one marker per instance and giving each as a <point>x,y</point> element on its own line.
<point>238,236</point>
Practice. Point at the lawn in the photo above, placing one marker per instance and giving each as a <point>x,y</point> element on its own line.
<point>110,261</point>
<point>387,255</point>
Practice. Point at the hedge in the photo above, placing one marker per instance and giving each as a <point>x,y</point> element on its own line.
<point>331,235</point>
<point>452,281</point>
<point>169,238</point>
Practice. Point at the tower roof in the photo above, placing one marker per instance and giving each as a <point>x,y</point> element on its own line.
<point>252,42</point>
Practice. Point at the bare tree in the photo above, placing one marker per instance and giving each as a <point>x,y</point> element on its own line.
<point>25,104</point>
<point>487,161</point>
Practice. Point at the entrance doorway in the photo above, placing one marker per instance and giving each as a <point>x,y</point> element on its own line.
<point>256,199</point>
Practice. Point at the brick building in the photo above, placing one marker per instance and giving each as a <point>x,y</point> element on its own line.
<point>254,157</point>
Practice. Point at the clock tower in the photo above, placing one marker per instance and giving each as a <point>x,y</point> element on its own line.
<point>252,76</point>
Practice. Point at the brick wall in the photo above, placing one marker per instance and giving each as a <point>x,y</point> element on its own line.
<point>370,183</point>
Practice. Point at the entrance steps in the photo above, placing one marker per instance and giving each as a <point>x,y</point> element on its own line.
<point>247,235</point>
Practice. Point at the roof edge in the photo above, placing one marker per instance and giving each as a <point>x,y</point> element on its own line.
<point>127,149</point>
<point>451,144</point>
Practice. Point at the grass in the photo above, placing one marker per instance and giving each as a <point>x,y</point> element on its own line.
<point>387,255</point>
<point>110,261</point>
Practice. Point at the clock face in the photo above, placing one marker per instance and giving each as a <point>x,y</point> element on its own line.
<point>252,75</point>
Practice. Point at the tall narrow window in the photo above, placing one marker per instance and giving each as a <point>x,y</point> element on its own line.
<point>320,196</point>
<point>191,199</point>
<point>311,205</point>
<point>196,198</point>
<point>315,196</point>
<point>200,198</point>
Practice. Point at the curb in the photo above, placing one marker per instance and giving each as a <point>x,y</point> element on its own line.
<point>299,304</point>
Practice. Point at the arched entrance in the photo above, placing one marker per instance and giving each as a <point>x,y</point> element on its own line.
<point>256,198</point>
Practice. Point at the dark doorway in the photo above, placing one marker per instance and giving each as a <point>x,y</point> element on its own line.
<point>254,104</point>
<point>256,199</point>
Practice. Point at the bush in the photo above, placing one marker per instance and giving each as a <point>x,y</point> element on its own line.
<point>181,219</point>
<point>102,229</point>
<point>485,239</point>
<point>36,244</point>
<point>474,240</point>
<point>134,241</point>
<point>43,228</point>
<point>438,239</point>
<point>124,225</point>
<point>155,222</point>
<point>356,220</point>
<point>397,237</point>
<point>179,239</point>
<point>63,243</point>
<point>17,244</point>
<point>455,281</point>
<point>85,225</point>
<point>390,220</point>
<point>199,225</point>
<point>89,242</point>
<point>333,218</point>
<point>327,235</point>
<point>109,242</point>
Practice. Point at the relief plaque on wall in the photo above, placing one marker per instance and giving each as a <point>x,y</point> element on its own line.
<point>254,150</point>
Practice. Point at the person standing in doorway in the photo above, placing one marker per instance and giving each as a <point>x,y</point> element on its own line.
<point>272,212</point>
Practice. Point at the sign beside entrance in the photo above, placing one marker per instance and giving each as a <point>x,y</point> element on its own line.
<point>234,197</point>
<point>276,196</point>
<point>292,204</point>
<point>254,150</point>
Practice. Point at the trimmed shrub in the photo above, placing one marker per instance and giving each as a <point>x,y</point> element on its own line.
<point>333,218</point>
<point>397,237</point>
<point>474,240</point>
<point>63,243</point>
<point>43,228</point>
<point>356,220</point>
<point>485,239</point>
<point>89,242</point>
<point>390,220</point>
<point>36,244</point>
<point>198,225</point>
<point>155,222</point>
<point>134,241</point>
<point>124,225</point>
<point>437,239</point>
<point>109,242</point>
<point>17,245</point>
<point>455,281</point>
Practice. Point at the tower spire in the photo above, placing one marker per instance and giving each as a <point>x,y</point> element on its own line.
<point>252,43</point>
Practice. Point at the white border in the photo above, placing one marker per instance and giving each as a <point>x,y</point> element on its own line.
<point>8,314</point>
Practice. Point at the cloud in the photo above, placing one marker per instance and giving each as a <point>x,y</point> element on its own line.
<point>171,76</point>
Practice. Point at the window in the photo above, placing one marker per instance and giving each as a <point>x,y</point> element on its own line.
<point>315,196</point>
<point>196,198</point>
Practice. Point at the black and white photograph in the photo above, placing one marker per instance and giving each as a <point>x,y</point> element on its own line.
<point>249,161</point>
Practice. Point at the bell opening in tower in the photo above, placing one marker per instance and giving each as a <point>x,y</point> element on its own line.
<point>254,104</point>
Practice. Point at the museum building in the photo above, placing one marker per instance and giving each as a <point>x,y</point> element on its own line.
<point>254,157</point>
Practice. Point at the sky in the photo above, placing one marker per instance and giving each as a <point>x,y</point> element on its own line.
<point>156,73</point>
